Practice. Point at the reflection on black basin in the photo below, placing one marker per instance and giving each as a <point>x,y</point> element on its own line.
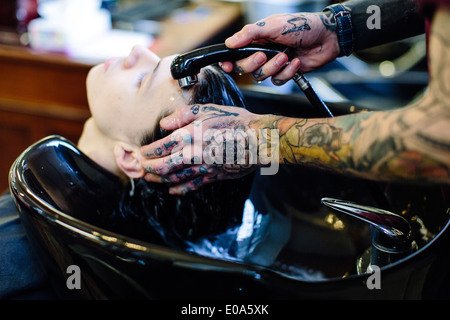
<point>299,248</point>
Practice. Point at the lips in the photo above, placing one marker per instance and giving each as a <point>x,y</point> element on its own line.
<point>108,63</point>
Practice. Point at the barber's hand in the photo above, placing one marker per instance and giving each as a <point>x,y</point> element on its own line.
<point>311,35</point>
<point>197,151</point>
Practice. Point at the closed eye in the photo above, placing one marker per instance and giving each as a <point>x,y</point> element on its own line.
<point>141,78</point>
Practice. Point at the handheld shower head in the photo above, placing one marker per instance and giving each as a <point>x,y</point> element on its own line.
<point>186,67</point>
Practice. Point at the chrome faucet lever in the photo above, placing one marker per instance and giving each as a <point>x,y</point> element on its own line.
<point>391,233</point>
<point>391,224</point>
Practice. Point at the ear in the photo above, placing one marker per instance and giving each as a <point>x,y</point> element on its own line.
<point>128,158</point>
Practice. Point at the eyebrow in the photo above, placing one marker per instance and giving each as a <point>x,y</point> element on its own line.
<point>154,71</point>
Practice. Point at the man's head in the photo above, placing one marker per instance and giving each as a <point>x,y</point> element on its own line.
<point>127,98</point>
<point>126,109</point>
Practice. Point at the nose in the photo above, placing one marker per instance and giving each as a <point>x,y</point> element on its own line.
<point>137,53</point>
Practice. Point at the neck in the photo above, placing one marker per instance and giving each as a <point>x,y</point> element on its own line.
<point>98,147</point>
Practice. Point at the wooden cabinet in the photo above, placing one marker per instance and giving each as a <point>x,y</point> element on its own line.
<point>40,95</point>
<point>43,94</point>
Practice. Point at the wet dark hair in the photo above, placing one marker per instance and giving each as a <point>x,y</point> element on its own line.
<point>215,86</point>
<point>173,220</point>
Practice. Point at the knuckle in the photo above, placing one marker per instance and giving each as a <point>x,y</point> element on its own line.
<point>194,109</point>
<point>196,182</point>
<point>163,171</point>
<point>158,151</point>
<point>248,28</point>
<point>155,170</point>
<point>183,174</point>
<point>259,74</point>
<point>151,177</point>
<point>172,178</point>
<point>239,69</point>
<point>166,180</point>
<point>170,144</point>
<point>176,160</point>
<point>185,189</point>
<point>150,170</point>
<point>203,170</point>
<point>278,81</point>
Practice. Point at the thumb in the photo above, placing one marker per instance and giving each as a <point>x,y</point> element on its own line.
<point>181,117</point>
<point>245,36</point>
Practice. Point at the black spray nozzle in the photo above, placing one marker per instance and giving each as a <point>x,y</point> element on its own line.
<point>186,67</point>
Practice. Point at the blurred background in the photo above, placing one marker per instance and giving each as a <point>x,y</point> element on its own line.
<point>48,46</point>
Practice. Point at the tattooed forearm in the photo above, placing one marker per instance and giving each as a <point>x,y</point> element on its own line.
<point>409,143</point>
<point>371,145</point>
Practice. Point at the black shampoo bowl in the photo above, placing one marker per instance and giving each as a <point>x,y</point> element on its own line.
<point>305,250</point>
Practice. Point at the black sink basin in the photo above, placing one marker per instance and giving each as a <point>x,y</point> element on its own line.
<point>300,249</point>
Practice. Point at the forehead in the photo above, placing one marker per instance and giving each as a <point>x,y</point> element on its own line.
<point>187,93</point>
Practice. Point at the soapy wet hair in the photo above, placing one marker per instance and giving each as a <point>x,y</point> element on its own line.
<point>159,217</point>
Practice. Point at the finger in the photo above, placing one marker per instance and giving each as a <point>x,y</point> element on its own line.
<point>188,156</point>
<point>273,66</point>
<point>192,185</point>
<point>164,166</point>
<point>181,176</point>
<point>174,142</point>
<point>181,117</point>
<point>251,63</point>
<point>246,35</point>
<point>227,66</point>
<point>287,73</point>
<point>151,177</point>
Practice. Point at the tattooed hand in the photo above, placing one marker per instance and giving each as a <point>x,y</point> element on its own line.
<point>311,35</point>
<point>208,143</point>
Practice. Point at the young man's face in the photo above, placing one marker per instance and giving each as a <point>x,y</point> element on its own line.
<point>128,95</point>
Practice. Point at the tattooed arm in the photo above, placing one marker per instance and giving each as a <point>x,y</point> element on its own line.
<point>410,143</point>
<point>314,37</point>
<point>391,145</point>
